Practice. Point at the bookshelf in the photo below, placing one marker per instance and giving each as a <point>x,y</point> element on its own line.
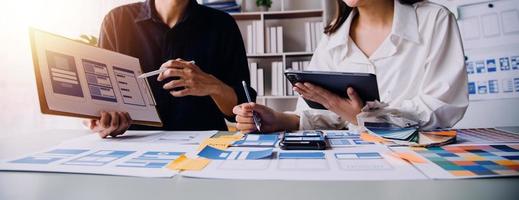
<point>291,16</point>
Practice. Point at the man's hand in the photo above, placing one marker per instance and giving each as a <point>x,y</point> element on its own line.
<point>194,81</point>
<point>110,124</point>
<point>348,108</point>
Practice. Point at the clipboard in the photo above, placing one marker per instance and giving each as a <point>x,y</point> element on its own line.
<point>75,79</point>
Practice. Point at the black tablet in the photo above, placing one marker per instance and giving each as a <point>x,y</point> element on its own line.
<point>363,83</point>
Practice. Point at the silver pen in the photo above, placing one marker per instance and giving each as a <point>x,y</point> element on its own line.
<point>257,120</point>
<point>158,71</point>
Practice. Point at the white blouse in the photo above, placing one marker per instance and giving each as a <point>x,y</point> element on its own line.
<point>419,67</point>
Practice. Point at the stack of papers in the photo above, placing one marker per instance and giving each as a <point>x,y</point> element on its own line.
<point>210,155</point>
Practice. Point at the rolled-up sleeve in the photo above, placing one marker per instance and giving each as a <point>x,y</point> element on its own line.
<point>443,95</point>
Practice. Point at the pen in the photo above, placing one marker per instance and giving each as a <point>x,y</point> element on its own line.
<point>257,121</point>
<point>158,71</point>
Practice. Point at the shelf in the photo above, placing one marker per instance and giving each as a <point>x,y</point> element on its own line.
<point>269,55</point>
<point>278,14</point>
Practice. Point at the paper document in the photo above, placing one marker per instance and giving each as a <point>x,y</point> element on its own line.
<point>124,159</point>
<point>79,80</point>
<point>355,163</point>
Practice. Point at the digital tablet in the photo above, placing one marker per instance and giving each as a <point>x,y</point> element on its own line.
<point>364,84</point>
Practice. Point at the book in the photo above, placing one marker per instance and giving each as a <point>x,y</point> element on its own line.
<point>274,76</point>
<point>273,39</point>
<point>312,35</point>
<point>260,37</point>
<point>254,76</point>
<point>254,36</point>
<point>308,40</point>
<point>261,84</point>
<point>250,40</point>
<point>279,37</point>
<point>268,38</point>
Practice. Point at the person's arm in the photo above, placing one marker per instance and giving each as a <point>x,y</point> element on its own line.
<point>443,97</point>
<point>237,69</point>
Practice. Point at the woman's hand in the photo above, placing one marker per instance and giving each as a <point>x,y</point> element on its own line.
<point>245,122</point>
<point>110,124</point>
<point>348,108</point>
<point>192,79</point>
<point>270,120</point>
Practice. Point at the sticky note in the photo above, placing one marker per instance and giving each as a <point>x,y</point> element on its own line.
<point>185,163</point>
<point>219,143</point>
<point>410,157</point>
<point>371,138</point>
<point>444,133</point>
<point>237,136</point>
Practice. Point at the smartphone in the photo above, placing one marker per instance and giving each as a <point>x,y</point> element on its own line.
<point>303,140</point>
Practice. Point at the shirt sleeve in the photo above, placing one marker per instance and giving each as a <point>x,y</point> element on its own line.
<point>238,70</point>
<point>443,93</point>
<point>107,33</point>
<point>310,118</point>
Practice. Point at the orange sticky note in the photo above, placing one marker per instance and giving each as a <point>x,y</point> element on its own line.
<point>185,163</point>
<point>371,138</point>
<point>408,157</point>
<point>443,133</point>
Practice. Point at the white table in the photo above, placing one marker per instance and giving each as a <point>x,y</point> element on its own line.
<point>29,185</point>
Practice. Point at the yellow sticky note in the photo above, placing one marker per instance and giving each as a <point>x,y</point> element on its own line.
<point>371,138</point>
<point>237,136</point>
<point>408,157</point>
<point>219,143</point>
<point>185,163</point>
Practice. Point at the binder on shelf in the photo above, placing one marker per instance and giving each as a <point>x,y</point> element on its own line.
<point>274,85</point>
<point>279,37</point>
<point>260,39</point>
<point>273,39</point>
<point>261,84</point>
<point>308,40</point>
<point>254,75</point>
<point>268,38</point>
<point>250,39</point>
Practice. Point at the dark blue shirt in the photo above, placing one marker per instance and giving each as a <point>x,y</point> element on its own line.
<point>205,35</point>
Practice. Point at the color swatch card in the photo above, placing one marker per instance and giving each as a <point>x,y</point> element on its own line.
<point>257,140</point>
<point>468,161</point>
<point>486,135</point>
<point>217,154</point>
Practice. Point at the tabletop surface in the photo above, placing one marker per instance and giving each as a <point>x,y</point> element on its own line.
<point>32,185</point>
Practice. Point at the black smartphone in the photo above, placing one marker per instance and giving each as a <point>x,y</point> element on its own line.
<point>303,140</point>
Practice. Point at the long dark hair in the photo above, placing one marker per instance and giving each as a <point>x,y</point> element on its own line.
<point>342,12</point>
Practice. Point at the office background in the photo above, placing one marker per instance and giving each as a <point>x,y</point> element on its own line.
<point>19,109</point>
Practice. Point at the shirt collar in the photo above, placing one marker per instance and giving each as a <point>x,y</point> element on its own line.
<point>148,12</point>
<point>405,25</point>
<point>405,22</point>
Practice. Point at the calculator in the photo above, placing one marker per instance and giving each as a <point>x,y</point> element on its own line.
<point>303,140</point>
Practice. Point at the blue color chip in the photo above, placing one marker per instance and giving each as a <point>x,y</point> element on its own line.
<point>472,88</point>
<point>504,148</point>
